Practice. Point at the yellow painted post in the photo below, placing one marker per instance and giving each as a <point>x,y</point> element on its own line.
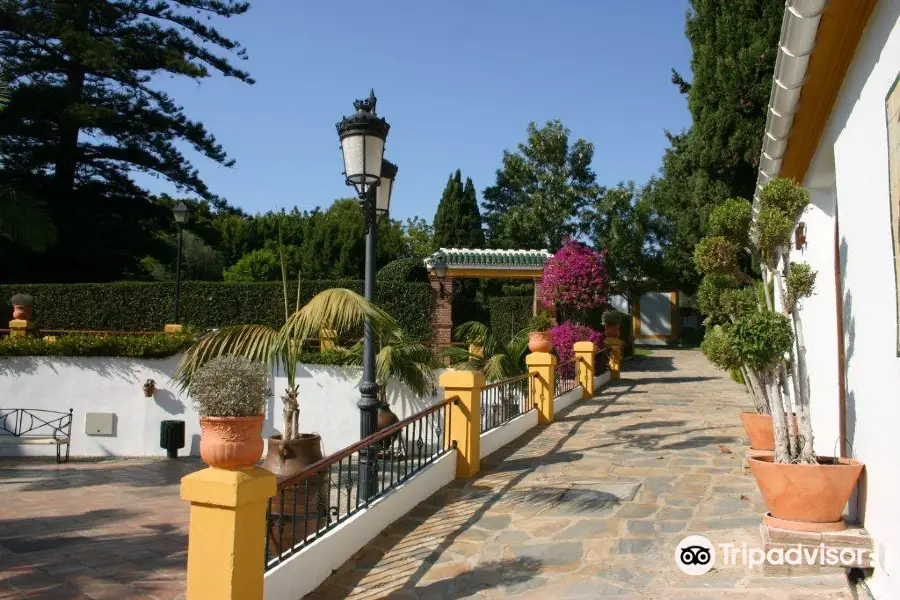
<point>584,363</point>
<point>227,532</point>
<point>20,327</point>
<point>615,356</point>
<point>542,367</point>
<point>172,328</point>
<point>464,418</point>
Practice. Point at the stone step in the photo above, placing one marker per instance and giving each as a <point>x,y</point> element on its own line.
<point>832,551</point>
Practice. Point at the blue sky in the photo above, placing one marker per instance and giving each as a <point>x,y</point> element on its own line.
<point>458,82</point>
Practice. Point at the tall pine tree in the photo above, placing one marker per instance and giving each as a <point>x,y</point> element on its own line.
<point>84,115</point>
<point>457,223</point>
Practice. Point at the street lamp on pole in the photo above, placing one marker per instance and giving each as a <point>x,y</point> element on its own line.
<point>181,214</point>
<point>362,137</point>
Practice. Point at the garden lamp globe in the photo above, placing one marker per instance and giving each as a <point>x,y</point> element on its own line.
<point>362,138</point>
<point>384,189</point>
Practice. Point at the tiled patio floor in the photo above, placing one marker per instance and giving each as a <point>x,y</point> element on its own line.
<point>592,506</point>
<point>93,529</point>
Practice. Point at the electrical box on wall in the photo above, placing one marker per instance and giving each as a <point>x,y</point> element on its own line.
<point>99,423</point>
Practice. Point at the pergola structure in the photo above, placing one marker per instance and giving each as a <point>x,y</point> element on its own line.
<point>447,264</point>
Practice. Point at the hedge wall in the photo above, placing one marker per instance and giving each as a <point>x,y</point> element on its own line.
<point>510,314</point>
<point>133,306</point>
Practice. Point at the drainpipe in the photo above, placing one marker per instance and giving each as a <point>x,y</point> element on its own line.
<point>798,38</point>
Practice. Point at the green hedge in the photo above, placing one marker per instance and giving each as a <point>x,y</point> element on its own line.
<point>133,306</point>
<point>510,314</point>
<point>134,346</point>
<point>403,269</point>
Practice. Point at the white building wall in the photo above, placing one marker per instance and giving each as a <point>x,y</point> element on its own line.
<point>856,136</point>
<point>328,397</point>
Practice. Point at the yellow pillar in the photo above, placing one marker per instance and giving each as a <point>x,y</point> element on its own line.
<point>464,418</point>
<point>227,532</point>
<point>584,363</point>
<point>542,367</point>
<point>20,327</point>
<point>172,328</point>
<point>615,356</point>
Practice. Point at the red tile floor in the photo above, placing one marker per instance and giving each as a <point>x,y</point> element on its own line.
<point>110,528</point>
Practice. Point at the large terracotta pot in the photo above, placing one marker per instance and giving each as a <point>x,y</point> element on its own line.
<point>22,312</point>
<point>297,511</point>
<point>539,341</point>
<point>231,442</point>
<point>612,330</point>
<point>759,430</point>
<point>806,497</point>
<point>386,418</point>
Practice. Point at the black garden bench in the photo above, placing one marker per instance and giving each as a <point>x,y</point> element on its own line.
<point>27,426</point>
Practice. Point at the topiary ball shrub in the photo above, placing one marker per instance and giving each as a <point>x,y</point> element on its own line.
<point>230,386</point>
<point>403,269</point>
<point>761,340</point>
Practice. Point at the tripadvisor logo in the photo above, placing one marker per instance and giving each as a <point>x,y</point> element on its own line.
<point>695,555</point>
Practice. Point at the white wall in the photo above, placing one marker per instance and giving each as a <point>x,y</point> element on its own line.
<point>856,137</point>
<point>496,438</point>
<point>328,397</point>
<point>304,572</point>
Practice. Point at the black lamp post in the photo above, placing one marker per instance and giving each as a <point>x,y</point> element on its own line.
<point>362,138</point>
<point>181,213</point>
<point>438,265</point>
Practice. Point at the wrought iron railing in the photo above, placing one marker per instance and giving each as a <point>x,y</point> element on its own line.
<point>309,504</point>
<point>601,361</point>
<point>565,379</point>
<point>505,400</point>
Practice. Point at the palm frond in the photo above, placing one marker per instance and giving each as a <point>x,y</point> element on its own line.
<point>409,362</point>
<point>4,94</point>
<point>472,332</point>
<point>339,309</point>
<point>255,342</point>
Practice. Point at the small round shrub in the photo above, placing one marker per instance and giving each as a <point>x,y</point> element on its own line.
<point>772,230</point>
<point>230,386</point>
<point>739,303</point>
<point>717,347</point>
<point>784,196</point>
<point>715,254</point>
<point>22,300</point>
<point>731,220</point>
<point>403,269</point>
<point>709,295</point>
<point>761,340</point>
<point>614,317</point>
<point>801,282</point>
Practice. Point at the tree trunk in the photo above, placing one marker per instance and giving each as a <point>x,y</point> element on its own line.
<point>68,126</point>
<point>779,423</point>
<point>807,452</point>
<point>759,399</point>
<point>291,414</point>
<point>762,393</point>
<point>765,274</point>
<point>791,422</point>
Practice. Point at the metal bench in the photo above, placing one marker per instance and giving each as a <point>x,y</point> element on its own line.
<point>27,426</point>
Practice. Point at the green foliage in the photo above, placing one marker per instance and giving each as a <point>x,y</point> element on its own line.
<point>716,255</point>
<point>718,347</point>
<point>736,375</point>
<point>21,300</point>
<point>761,340</point>
<point>457,223</point>
<point>541,190</point>
<point>709,296</point>
<point>785,196</point>
<point>230,386</point>
<point>801,283</point>
<point>148,306</point>
<point>259,265</point>
<point>419,238</point>
<point>497,359</point>
<point>772,230</point>
<point>157,345</point>
<point>540,322</point>
<point>510,314</point>
<point>403,269</point>
<point>731,220</point>
<point>739,303</point>
<point>614,317</point>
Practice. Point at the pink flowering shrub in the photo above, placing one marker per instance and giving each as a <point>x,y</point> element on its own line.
<point>565,335</point>
<point>575,278</point>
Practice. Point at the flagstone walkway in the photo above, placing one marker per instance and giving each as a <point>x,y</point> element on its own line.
<point>592,506</point>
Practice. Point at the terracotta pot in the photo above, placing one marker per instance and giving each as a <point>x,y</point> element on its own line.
<point>22,312</point>
<point>386,418</point>
<point>806,497</point>
<point>148,392</point>
<point>231,442</point>
<point>759,430</point>
<point>539,341</point>
<point>296,511</point>
<point>612,330</point>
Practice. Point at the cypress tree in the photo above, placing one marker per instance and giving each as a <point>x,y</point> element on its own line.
<point>457,223</point>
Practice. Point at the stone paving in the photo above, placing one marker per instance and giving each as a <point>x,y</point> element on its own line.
<point>98,529</point>
<point>592,506</point>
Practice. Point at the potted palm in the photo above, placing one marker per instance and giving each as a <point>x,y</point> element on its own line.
<point>229,393</point>
<point>539,333</point>
<point>761,333</point>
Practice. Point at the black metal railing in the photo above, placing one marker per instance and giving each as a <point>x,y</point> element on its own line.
<point>309,504</point>
<point>601,361</point>
<point>505,400</point>
<point>565,379</point>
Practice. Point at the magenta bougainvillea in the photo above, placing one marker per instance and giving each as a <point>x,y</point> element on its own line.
<point>565,335</point>
<point>575,278</point>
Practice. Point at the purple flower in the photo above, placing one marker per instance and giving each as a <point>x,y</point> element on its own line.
<point>565,335</point>
<point>575,277</point>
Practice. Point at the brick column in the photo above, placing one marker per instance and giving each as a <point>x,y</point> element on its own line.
<point>442,317</point>
<point>537,305</point>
